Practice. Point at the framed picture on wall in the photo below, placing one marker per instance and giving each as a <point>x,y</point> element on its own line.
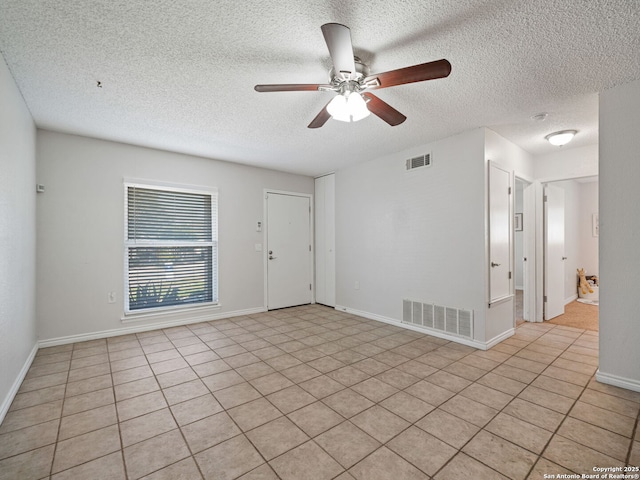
<point>518,222</point>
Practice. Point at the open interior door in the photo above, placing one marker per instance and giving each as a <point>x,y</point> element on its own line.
<point>553,251</point>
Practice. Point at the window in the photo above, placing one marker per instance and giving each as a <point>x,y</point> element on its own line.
<point>171,247</point>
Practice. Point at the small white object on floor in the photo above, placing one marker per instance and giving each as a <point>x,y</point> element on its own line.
<point>588,301</point>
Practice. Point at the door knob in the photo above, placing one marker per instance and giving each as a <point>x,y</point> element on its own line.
<point>564,258</point>
<point>271,257</point>
<point>494,264</point>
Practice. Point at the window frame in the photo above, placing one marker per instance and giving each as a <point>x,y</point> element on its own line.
<point>212,192</point>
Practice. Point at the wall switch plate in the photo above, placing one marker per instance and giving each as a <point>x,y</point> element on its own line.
<point>356,285</point>
<point>258,247</point>
<point>111,297</point>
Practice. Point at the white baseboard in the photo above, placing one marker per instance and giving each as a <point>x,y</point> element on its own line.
<point>83,337</point>
<point>567,301</point>
<point>6,403</point>
<point>616,381</point>
<point>433,333</point>
<point>499,338</point>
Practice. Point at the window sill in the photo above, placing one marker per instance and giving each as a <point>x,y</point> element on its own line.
<point>169,314</point>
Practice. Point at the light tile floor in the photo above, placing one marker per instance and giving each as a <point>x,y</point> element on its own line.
<point>310,393</point>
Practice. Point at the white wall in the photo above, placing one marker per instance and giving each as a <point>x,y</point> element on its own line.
<point>508,155</point>
<point>17,237</point>
<point>422,234</point>
<point>519,240</point>
<point>567,162</point>
<point>81,227</point>
<point>417,234</point>
<point>589,243</point>
<point>619,234</point>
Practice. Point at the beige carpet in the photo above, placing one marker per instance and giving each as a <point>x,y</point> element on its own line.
<point>578,315</point>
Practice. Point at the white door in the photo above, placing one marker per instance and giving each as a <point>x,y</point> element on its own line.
<point>554,251</point>
<point>499,233</point>
<point>325,239</point>
<point>289,256</point>
<point>529,252</point>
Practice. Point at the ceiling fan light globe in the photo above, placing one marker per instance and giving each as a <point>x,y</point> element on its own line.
<point>357,107</point>
<point>349,108</point>
<point>338,109</point>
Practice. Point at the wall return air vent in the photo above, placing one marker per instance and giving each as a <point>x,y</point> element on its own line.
<point>418,162</point>
<point>455,321</point>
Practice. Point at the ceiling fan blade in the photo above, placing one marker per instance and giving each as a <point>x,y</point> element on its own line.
<point>338,39</point>
<point>416,73</point>
<point>321,118</point>
<point>383,110</point>
<point>290,87</point>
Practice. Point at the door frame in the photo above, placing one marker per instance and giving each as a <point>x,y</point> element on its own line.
<point>265,229</point>
<point>538,212</point>
<point>529,247</point>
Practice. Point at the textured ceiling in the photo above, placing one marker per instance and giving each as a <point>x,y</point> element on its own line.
<point>179,75</point>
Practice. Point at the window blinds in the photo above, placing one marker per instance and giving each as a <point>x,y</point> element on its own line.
<point>171,243</point>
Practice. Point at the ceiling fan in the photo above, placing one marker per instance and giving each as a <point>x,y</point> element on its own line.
<point>351,80</point>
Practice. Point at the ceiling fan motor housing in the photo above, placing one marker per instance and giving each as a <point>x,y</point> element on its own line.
<point>362,70</point>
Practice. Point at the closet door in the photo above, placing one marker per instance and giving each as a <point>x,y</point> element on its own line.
<point>325,240</point>
<point>500,234</point>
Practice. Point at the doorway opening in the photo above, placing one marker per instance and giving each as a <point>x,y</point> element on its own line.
<point>580,251</point>
<point>525,250</point>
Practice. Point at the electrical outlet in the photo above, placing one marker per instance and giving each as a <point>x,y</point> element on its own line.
<point>111,297</point>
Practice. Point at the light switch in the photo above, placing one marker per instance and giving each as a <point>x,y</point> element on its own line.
<point>258,247</point>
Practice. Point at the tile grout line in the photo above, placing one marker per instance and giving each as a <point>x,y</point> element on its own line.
<point>565,416</point>
<point>539,456</point>
<point>64,398</point>
<point>115,407</point>
<point>636,427</point>
<point>178,427</point>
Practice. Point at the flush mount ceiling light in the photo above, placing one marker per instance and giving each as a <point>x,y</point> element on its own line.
<point>561,138</point>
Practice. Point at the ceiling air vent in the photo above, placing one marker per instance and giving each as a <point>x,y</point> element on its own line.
<point>419,161</point>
